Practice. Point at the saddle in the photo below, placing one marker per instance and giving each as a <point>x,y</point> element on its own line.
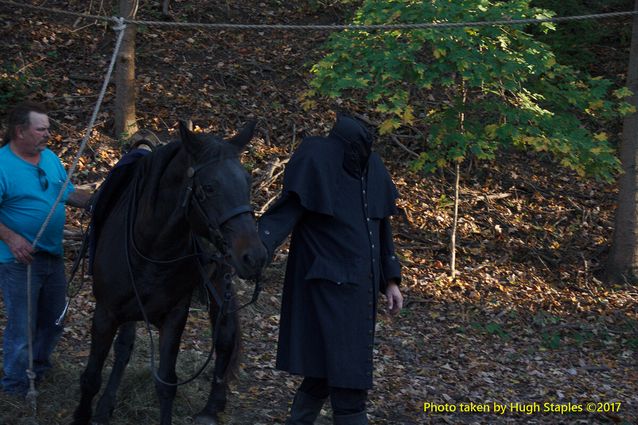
<point>142,143</point>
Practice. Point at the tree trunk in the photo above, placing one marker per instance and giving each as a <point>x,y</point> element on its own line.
<point>623,260</point>
<point>125,120</point>
<point>457,189</point>
<point>455,223</point>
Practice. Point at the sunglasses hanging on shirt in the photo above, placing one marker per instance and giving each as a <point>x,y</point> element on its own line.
<point>42,176</point>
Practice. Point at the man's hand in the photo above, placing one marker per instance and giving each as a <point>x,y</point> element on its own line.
<point>395,299</point>
<point>20,248</point>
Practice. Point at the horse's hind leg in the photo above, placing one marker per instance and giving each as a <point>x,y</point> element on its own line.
<point>227,349</point>
<point>102,334</point>
<point>122,354</point>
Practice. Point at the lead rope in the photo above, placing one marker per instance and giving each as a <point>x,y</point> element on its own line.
<point>32,394</point>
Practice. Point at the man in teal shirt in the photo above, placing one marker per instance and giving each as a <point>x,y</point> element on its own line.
<point>31,176</point>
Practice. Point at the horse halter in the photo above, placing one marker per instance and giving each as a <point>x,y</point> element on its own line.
<point>212,224</point>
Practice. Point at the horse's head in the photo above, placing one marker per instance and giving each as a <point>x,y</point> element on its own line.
<point>218,197</point>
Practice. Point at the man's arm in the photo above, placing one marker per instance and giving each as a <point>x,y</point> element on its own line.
<point>391,268</point>
<point>277,223</point>
<point>390,265</point>
<point>79,198</point>
<point>19,246</point>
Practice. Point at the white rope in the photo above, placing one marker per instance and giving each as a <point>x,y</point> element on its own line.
<point>383,27</point>
<point>119,27</point>
<point>32,393</point>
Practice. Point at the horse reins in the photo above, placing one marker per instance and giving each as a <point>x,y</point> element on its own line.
<point>214,228</point>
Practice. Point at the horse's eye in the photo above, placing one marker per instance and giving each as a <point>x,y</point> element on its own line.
<point>208,188</point>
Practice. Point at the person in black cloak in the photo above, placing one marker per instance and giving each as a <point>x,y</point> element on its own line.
<point>336,200</point>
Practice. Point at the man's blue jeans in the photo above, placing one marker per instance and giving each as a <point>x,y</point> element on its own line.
<point>48,291</point>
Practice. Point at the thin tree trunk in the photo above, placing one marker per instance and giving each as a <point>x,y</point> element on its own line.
<point>457,190</point>
<point>456,220</point>
<point>622,265</point>
<point>125,120</point>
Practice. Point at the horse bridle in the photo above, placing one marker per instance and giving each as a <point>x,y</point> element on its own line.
<point>215,235</point>
<point>213,224</point>
<point>214,231</point>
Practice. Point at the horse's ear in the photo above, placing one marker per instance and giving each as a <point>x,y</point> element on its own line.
<point>243,137</point>
<point>184,130</point>
<point>186,135</point>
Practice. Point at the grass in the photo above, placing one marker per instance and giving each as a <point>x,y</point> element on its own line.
<point>137,403</point>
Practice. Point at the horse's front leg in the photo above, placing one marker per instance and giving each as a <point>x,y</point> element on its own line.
<point>122,353</point>
<point>102,334</point>
<point>170,334</point>
<point>227,350</point>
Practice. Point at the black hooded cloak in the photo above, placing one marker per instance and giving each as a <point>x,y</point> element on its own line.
<point>336,200</point>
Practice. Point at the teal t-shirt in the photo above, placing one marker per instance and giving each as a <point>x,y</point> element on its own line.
<point>25,204</point>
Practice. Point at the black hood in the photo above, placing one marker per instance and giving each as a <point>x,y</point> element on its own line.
<point>358,143</point>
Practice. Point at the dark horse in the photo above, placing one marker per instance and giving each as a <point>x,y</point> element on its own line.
<point>149,253</point>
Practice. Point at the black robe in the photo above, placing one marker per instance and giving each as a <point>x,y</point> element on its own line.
<point>341,256</point>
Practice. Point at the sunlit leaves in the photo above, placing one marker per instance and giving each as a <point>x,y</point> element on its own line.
<point>507,87</point>
<point>625,108</point>
<point>622,93</point>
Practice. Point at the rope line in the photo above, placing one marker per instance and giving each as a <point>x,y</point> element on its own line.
<point>332,27</point>
<point>119,28</point>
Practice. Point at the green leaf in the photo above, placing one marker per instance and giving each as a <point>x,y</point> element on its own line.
<point>389,125</point>
<point>626,109</point>
<point>622,92</point>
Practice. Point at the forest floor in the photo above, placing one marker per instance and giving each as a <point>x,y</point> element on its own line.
<point>526,325</point>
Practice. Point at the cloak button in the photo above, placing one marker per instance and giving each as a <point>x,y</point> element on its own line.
<point>266,232</point>
<point>338,283</point>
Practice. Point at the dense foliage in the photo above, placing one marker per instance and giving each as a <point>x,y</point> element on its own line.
<point>579,43</point>
<point>477,88</point>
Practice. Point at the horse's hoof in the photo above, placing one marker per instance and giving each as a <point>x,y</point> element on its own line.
<point>206,419</point>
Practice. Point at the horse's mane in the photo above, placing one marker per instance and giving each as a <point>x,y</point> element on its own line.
<point>156,162</point>
<point>153,167</point>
